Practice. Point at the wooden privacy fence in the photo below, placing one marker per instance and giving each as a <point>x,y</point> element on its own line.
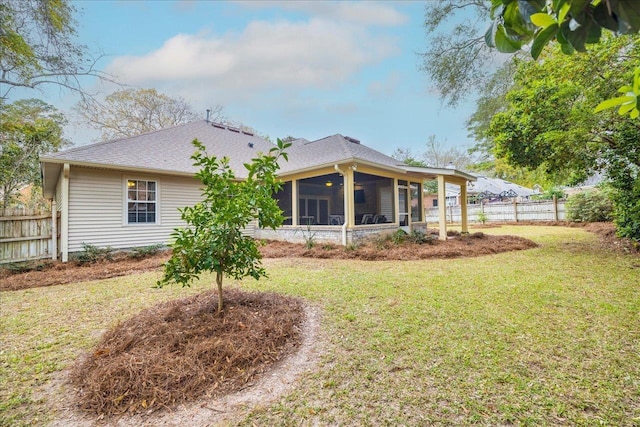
<point>25,234</point>
<point>533,210</point>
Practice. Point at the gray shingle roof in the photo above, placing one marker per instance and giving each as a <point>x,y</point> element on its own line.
<point>330,150</point>
<point>168,149</point>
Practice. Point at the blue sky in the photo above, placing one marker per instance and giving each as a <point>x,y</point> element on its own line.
<point>306,69</point>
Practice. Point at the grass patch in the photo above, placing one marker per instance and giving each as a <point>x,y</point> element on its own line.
<point>548,336</point>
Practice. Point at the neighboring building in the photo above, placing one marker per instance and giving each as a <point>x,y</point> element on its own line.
<point>483,189</point>
<point>126,192</point>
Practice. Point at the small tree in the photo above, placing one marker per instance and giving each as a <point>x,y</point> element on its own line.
<point>213,240</point>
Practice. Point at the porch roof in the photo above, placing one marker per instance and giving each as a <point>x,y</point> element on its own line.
<point>339,150</point>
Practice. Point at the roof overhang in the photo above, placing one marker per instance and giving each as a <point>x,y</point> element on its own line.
<point>51,168</point>
<point>451,175</point>
<point>341,163</point>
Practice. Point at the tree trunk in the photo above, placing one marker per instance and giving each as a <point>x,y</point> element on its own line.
<point>219,282</point>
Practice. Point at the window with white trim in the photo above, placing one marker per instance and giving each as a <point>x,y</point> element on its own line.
<point>141,201</point>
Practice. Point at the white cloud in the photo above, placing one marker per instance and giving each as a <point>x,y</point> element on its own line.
<point>360,12</point>
<point>264,56</point>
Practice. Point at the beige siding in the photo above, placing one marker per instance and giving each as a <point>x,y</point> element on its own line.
<point>97,209</point>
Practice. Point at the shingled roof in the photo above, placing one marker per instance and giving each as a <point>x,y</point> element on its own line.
<point>331,150</point>
<point>169,151</point>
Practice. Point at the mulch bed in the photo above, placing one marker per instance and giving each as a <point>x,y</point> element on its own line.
<point>46,273</point>
<point>183,349</point>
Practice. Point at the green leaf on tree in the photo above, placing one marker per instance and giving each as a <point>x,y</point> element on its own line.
<point>542,39</point>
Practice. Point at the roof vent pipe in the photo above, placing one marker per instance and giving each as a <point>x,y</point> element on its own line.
<point>208,112</point>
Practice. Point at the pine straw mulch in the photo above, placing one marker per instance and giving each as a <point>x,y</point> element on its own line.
<point>46,273</point>
<point>474,244</point>
<point>182,349</point>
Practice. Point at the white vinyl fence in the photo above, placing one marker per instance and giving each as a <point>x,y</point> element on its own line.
<point>536,210</point>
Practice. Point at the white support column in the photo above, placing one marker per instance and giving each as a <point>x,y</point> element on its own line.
<point>64,220</point>
<point>442,208</point>
<point>349,188</point>
<point>463,207</point>
<point>54,229</point>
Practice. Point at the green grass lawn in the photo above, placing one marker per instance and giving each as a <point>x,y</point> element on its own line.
<point>548,336</point>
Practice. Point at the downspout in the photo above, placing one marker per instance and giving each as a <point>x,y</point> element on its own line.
<point>346,202</point>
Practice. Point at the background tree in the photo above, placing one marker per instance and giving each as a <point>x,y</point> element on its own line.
<point>213,240</point>
<point>550,123</point>
<point>28,128</point>
<point>37,46</point>
<point>436,155</point>
<point>134,111</point>
<point>406,156</point>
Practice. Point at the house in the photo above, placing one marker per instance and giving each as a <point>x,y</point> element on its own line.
<point>483,189</point>
<point>126,192</point>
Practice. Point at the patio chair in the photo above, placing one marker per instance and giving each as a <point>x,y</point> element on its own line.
<point>336,219</point>
<point>379,219</point>
<point>367,219</point>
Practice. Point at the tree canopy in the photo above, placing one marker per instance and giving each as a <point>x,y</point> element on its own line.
<point>37,46</point>
<point>549,120</point>
<point>28,128</point>
<point>573,24</point>
<point>131,112</point>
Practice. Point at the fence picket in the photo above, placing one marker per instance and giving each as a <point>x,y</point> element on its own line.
<point>534,210</point>
<point>25,234</point>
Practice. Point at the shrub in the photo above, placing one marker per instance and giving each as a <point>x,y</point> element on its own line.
<point>627,210</point>
<point>92,253</point>
<point>145,251</point>
<point>399,236</point>
<point>417,236</point>
<point>591,206</point>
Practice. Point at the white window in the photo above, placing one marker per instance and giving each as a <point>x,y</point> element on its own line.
<point>141,201</point>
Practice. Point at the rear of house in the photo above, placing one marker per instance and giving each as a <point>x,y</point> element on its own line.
<point>127,193</point>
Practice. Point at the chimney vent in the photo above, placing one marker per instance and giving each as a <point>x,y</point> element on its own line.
<point>355,141</point>
<point>208,113</point>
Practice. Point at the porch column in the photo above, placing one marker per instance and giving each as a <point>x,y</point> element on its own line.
<point>294,202</point>
<point>442,208</point>
<point>54,229</point>
<point>463,207</point>
<point>349,188</point>
<point>64,218</point>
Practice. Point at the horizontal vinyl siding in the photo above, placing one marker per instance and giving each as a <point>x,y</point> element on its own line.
<point>97,209</point>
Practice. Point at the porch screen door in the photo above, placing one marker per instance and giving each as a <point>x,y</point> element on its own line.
<point>403,209</point>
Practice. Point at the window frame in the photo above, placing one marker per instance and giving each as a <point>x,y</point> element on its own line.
<point>127,200</point>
